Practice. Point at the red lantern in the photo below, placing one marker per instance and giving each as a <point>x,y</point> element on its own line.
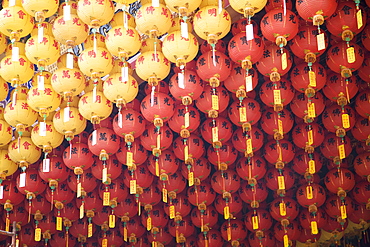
<point>299,104</point>
<point>167,163</point>
<point>337,56</point>
<point>361,130</point>
<point>333,206</point>
<point>151,195</point>
<point>190,85</point>
<point>234,202</point>
<point>91,201</point>
<point>284,151</point>
<point>160,106</point>
<point>238,79</point>
<point>301,162</point>
<point>264,220</point>
<point>360,214</point>
<point>18,214</point>
<point>240,26</point>
<point>268,88</point>
<point>225,129</point>
<point>80,228</point>
<point>329,148</point>
<point>113,168</point>
<point>309,10</point>
<point>78,155</point>
<point>300,135</point>
<point>251,168</point>
<point>162,237</point>
<point>175,182</point>
<point>204,102</point>
<point>362,165</point>
<point>54,169</point>
<point>139,153</point>
<point>364,73</point>
<point>306,42</point>
<point>234,228</point>
<point>142,176</point>
<point>27,236</point>
<point>278,4</point>
<point>87,180</point>
<point>362,104</point>
<point>201,194</point>
<point>210,238</point>
<point>361,192</point>
<point>269,121</point>
<point>239,139</point>
<point>60,239</point>
<point>306,217</point>
<point>272,178</point>
<point>117,190</point>
<point>104,139</point>
<point>134,227</point>
<point>113,236</point>
<point>39,205</point>
<point>62,194</point>
<point>177,121</point>
<point>292,230</point>
<point>29,181</point>
<point>10,193</point>
<point>253,111</point>
<point>181,204</point>
<point>306,236</point>
<point>301,79</point>
<point>207,217</point>
<point>159,218</point>
<point>267,240</point>
<point>225,181</point>
<point>272,61</point>
<point>47,223</point>
<point>213,64</point>
<point>70,211</point>
<point>162,87</point>
<point>338,87</point>
<point>129,122</point>
<point>334,226</point>
<point>339,179</point>
<point>255,193</point>
<point>80,138</point>
<point>127,208</point>
<point>292,209</point>
<point>242,50</point>
<point>195,146</point>
<point>220,46</point>
<point>201,169</point>
<point>227,154</point>
<point>149,137</point>
<point>333,116</point>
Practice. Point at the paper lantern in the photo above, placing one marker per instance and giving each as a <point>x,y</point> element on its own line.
<point>365,38</point>
<point>160,106</point>
<point>236,229</point>
<point>363,72</point>
<point>225,181</point>
<point>338,59</point>
<point>177,121</point>
<point>253,113</point>
<point>87,180</point>
<point>207,218</point>
<point>202,194</point>
<point>78,155</point>
<point>69,122</point>
<point>14,17</point>
<point>240,137</point>
<point>177,22</point>
<point>361,131</point>
<point>300,103</point>
<point>221,46</point>
<point>147,17</point>
<point>330,147</point>
<point>150,136</point>
<point>201,169</point>
<point>291,208</point>
<point>151,195</point>
<point>183,8</point>
<point>360,214</point>
<point>238,79</point>
<point>270,119</point>
<point>253,194</point>
<point>96,61</point>
<point>333,119</point>
<point>152,66</point>
<point>123,42</point>
<point>316,11</point>
<point>244,51</point>
<point>103,139</point>
<point>251,169</point>
<point>119,17</point>
<point>17,72</point>
<point>272,178</point>
<point>120,90</point>
<point>95,106</point>
<point>302,159</point>
<point>211,23</point>
<point>24,152</point>
<point>95,40</point>
<point>42,51</point>
<point>4,89</point>
<point>41,9</point>
<point>194,144</point>
<point>300,77</point>
<point>267,240</point>
<point>339,89</point>
<point>6,133</point>
<point>114,168</point>
<point>142,175</point>
<point>96,13</point>
<point>213,65</point>
<point>301,132</point>
<point>131,123</point>
<point>339,179</point>
<point>362,104</point>
<point>151,44</point>
<point>70,30</point>
<point>47,138</point>
<point>224,128</point>
<point>178,49</point>
<point>7,166</point>
<point>68,82</point>
<point>175,183</point>
<point>32,183</point>
<point>20,114</point>
<point>333,206</point>
<point>167,163</point>
<point>291,230</point>
<point>318,195</point>
<point>248,8</point>
<point>361,193</point>
<point>226,155</point>
<point>204,102</point>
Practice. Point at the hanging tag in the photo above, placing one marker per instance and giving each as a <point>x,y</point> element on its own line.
<point>310,137</point>
<point>59,225</point>
<point>124,74</point>
<point>159,141</point>
<point>154,244</point>
<point>38,234</point>
<point>280,127</point>
<point>106,198</point>
<point>94,138</point>
<point>281,182</point>
<point>66,113</point>
<point>40,34</point>
<point>42,130</point>
<point>242,114</point>
<point>132,187</point>
<point>22,180</point>
<point>94,98</point>
<point>312,78</point>
<point>311,167</point>
<point>129,159</point>
<point>184,29</point>
<point>119,119</point>
<point>157,168</point>
<point>284,61</point>
<point>1,192</point>
<point>282,209</point>
<point>226,212</point>
<point>321,42</point>
<point>215,102</point>
<point>125,234</point>
<point>249,32</point>
<point>155,3</point>
<point>164,195</point>
<point>104,175</point>
<point>46,165</point>
<point>7,224</point>
<point>351,58</point>
<point>70,61</point>
<point>249,146</point>
<point>220,6</point>
<point>152,97</point>
<point>15,54</point>
<point>79,190</point>
<point>11,3</point>
<point>342,151</point>
<point>187,120</point>
<point>112,221</point>
<point>186,152</point>
<point>311,110</point>
<point>228,233</point>
<point>255,222</point>
<point>343,212</point>
<point>104,242</point>
<point>191,178</point>
<point>90,230</point>
<point>248,83</point>
<point>149,223</point>
<point>286,240</point>
<point>181,80</point>
<point>277,97</point>
<point>82,211</point>
<point>359,19</point>
<point>40,82</point>
<point>215,134</point>
<point>309,192</point>
<point>67,12</point>
<point>314,229</point>
<point>345,121</point>
<point>14,98</point>
<point>17,242</point>
<point>172,212</point>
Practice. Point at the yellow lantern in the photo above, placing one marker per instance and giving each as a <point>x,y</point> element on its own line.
<point>46,29</point>
<point>41,9</point>
<point>45,136</point>
<point>123,42</point>
<point>62,60</point>
<point>42,97</point>
<point>248,7</point>
<point>72,7</point>
<point>4,89</point>
<point>70,30</point>
<point>183,7</point>
<point>95,40</point>
<point>120,90</point>
<point>15,22</point>
<point>20,115</point>
<point>42,51</point>
<point>7,166</point>
<point>117,67</point>
<point>95,62</point>
<point>73,103</point>
<point>21,48</point>
<point>3,43</point>
<point>152,66</point>
<point>94,106</point>
<point>68,82</point>
<point>20,94</point>
<point>92,84</point>
<point>23,151</point>
<point>153,21</point>
<point>119,19</point>
<point>176,25</point>
<point>95,13</point>
<point>211,23</point>
<point>18,71</point>
<point>178,49</point>
<point>151,44</point>
<point>6,133</point>
<point>69,122</point>
<point>206,3</point>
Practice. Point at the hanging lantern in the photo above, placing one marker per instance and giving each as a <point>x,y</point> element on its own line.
<point>224,130</point>
<point>178,121</point>
<point>69,122</point>
<point>42,50</point>
<point>68,81</point>
<point>339,181</point>
<point>363,72</point>
<point>194,144</point>
<point>167,163</point>
<point>15,22</point>
<point>225,181</point>
<point>311,196</point>
<point>45,136</point>
<point>103,142</point>
<point>316,12</point>
<point>204,102</point>
<point>95,14</point>
<point>307,108</point>
<point>24,152</point>
<point>281,88</point>
<point>180,23</point>
<point>339,89</point>
<point>253,111</point>
<point>123,18</point>
<point>6,132</point>
<point>279,26</point>
<point>240,26</point>
<point>220,46</point>
<point>19,114</point>
<point>240,141</point>
<point>139,153</point>
<point>276,123</point>
<point>361,131</point>
<point>241,79</point>
<point>334,207</point>
<point>155,139</point>
<point>151,44</point>
<point>212,23</point>
<point>291,210</point>
<point>305,78</point>
<point>361,194</point>
<point>160,107</point>
<point>272,177</point>
<point>360,214</point>
<point>307,163</point>
<point>201,169</point>
<point>11,197</point>
<point>267,239</point>
<point>248,8</point>
<point>336,148</point>
<point>130,122</point>
<point>365,38</point>
<point>30,184</point>
<point>123,42</point>
<point>95,61</point>
<point>306,218</point>
<point>152,66</point>
<point>233,230</point>
<point>255,194</point>
<point>251,169</point>
<point>222,157</point>
<point>53,171</point>
<point>213,66</point>
<point>201,195</point>
<point>4,89</point>
<point>305,135</point>
<point>291,231</point>
<point>78,155</point>
<point>148,15</point>
<point>87,180</point>
<point>258,220</point>
<point>338,119</point>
